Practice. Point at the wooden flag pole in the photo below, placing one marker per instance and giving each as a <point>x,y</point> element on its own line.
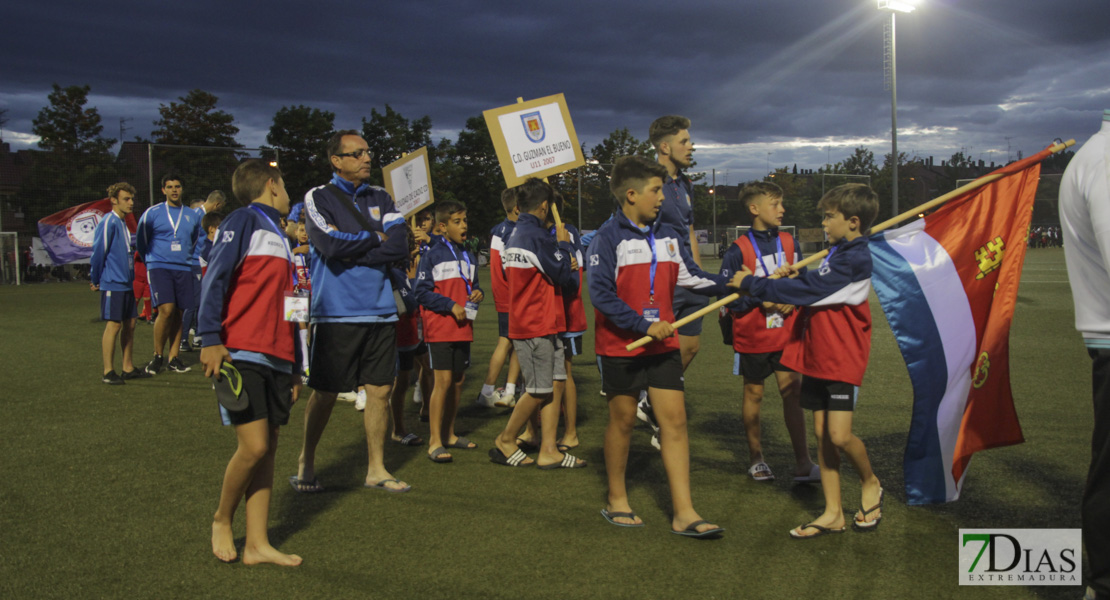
<point>978,183</point>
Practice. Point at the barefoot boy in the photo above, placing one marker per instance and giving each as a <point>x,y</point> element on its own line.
<point>830,348</point>
<point>632,272</point>
<point>241,321</point>
<point>447,288</point>
<point>761,330</point>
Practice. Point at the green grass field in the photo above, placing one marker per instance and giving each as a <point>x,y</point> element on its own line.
<point>109,491</point>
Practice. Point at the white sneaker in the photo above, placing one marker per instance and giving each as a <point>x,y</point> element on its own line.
<point>346,396</point>
<point>487,401</point>
<point>360,400</point>
<point>502,399</point>
<point>646,414</point>
<point>417,394</point>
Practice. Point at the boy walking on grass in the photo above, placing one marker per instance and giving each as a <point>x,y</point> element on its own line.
<point>632,273</point>
<point>760,331</point>
<point>499,285</point>
<point>241,321</point>
<point>536,264</point>
<point>830,347</point>
<point>447,287</point>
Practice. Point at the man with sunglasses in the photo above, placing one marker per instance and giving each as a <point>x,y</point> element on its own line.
<point>356,233</point>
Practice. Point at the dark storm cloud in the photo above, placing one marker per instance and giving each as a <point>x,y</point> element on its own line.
<point>802,80</point>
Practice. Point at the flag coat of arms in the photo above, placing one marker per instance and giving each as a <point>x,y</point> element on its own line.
<point>533,126</point>
<point>67,235</point>
<point>948,284</point>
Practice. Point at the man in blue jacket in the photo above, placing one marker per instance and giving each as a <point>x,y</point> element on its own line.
<point>356,234</point>
<point>112,271</point>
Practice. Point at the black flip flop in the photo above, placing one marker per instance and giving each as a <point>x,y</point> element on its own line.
<point>691,531</point>
<point>611,516</point>
<point>229,389</point>
<point>820,531</point>
<point>873,524</point>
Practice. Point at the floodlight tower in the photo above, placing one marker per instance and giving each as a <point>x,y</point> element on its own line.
<point>890,65</point>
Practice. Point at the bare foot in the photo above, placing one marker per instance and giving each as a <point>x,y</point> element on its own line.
<point>677,525</point>
<point>269,554</point>
<point>569,442</point>
<point>223,542</point>
<point>508,450</point>
<point>833,522</point>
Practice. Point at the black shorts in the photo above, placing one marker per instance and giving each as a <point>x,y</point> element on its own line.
<point>450,355</point>
<point>503,325</point>
<point>757,367</point>
<point>687,303</point>
<point>406,359</point>
<point>823,394</point>
<point>572,346</point>
<point>346,356</point>
<point>270,394</point>
<point>627,375</point>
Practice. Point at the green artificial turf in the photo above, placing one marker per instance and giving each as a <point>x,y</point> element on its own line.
<point>109,491</point>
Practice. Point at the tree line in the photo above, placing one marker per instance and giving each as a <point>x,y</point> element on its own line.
<point>75,163</point>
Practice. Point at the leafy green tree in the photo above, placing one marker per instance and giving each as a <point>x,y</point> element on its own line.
<point>76,165</point>
<point>301,133</point>
<point>195,121</point>
<point>66,127</point>
<point>390,135</point>
<point>478,181</point>
<point>861,162</point>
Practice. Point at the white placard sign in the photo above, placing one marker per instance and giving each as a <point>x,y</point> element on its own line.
<point>409,181</point>
<point>534,139</point>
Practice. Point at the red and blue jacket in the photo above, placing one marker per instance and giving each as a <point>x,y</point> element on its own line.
<point>498,283</point>
<point>573,309</point>
<point>619,274</point>
<point>832,338</point>
<point>242,298</point>
<point>773,249</point>
<point>535,264</point>
<point>446,277</point>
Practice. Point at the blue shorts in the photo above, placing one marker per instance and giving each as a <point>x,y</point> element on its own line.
<point>503,325</point>
<point>168,286</point>
<point>117,306</point>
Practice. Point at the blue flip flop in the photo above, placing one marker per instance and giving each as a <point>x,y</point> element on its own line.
<point>611,516</point>
<point>691,531</point>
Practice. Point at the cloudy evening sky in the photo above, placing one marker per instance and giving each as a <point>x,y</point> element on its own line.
<point>765,83</point>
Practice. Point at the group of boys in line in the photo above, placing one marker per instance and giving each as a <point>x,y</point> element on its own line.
<point>809,327</point>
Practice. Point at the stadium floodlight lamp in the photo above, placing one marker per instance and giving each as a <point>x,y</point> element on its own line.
<point>905,6</point>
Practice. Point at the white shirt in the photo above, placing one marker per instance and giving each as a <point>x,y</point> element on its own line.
<point>1085,218</point>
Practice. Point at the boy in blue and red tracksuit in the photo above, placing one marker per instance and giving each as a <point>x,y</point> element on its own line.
<point>830,346</point>
<point>242,321</point>
<point>499,285</point>
<point>447,288</point>
<point>632,273</point>
<point>537,265</point>
<point>760,330</point>
<point>574,317</point>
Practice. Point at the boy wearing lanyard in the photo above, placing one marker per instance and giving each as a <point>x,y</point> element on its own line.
<point>447,287</point>
<point>830,347</point>
<point>241,321</point>
<point>632,273</point>
<point>760,330</point>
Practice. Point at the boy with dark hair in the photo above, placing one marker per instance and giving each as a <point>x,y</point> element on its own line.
<point>760,331</point>
<point>412,352</point>
<point>535,264</point>
<point>241,322</point>
<point>447,286</point>
<point>499,285</point>
<point>632,273</point>
<point>112,273</point>
<point>830,347</point>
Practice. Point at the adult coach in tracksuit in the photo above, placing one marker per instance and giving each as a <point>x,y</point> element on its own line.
<point>353,312</point>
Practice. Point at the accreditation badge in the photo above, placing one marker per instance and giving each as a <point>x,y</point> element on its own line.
<point>651,313</point>
<point>471,310</point>
<point>175,246</point>
<point>775,320</point>
<point>296,307</point>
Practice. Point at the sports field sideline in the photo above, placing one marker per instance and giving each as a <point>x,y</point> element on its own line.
<point>109,491</point>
